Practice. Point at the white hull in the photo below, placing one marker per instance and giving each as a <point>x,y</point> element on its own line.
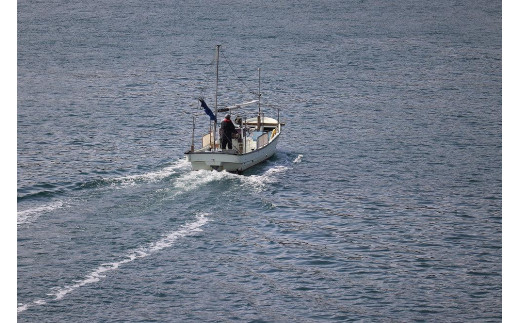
<point>231,162</point>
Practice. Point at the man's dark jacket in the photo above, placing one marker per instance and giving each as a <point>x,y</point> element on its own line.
<point>228,128</point>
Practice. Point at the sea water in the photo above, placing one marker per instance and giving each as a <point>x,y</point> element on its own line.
<point>382,203</point>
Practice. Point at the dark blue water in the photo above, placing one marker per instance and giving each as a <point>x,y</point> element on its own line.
<point>383,202</point>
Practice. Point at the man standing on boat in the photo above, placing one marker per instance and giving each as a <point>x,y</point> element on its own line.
<point>227,130</point>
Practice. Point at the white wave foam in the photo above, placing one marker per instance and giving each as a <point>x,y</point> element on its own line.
<point>22,307</point>
<point>193,180</point>
<point>30,215</point>
<point>155,176</point>
<point>100,272</point>
<point>298,159</point>
<point>259,182</point>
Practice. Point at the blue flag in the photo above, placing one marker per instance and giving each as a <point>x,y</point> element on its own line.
<point>207,110</point>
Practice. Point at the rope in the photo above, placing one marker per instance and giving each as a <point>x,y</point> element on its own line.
<point>238,78</point>
<point>204,85</point>
<point>265,100</point>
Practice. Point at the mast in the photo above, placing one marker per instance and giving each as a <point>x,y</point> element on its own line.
<point>216,102</point>
<point>259,110</point>
<point>192,148</point>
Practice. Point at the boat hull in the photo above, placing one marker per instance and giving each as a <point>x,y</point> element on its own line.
<point>235,163</point>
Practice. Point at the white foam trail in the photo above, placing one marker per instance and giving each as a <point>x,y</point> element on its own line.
<point>193,180</point>
<point>149,177</point>
<point>100,272</point>
<point>30,215</point>
<point>259,182</point>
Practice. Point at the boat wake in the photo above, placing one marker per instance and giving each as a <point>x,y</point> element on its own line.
<point>100,272</point>
<point>181,177</point>
<point>184,181</point>
<point>30,215</point>
<point>193,180</point>
<point>124,181</point>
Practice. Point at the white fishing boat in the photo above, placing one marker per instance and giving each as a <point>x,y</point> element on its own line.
<point>253,142</point>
